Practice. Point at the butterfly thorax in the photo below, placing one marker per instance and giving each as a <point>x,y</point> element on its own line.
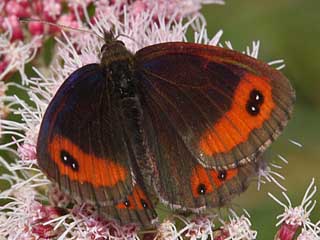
<point>117,62</point>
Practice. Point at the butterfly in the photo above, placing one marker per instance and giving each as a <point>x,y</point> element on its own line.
<point>180,123</point>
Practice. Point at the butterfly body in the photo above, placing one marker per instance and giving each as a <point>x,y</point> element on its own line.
<point>119,65</point>
<point>178,122</point>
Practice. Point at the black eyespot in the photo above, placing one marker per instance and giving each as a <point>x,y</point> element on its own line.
<point>127,203</point>
<point>69,161</point>
<point>254,103</point>
<point>144,204</point>
<point>201,189</point>
<point>222,175</point>
<point>256,96</point>
<point>253,108</point>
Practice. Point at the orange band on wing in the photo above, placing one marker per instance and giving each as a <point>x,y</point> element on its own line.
<point>200,176</point>
<point>236,125</point>
<point>135,200</point>
<point>229,174</point>
<point>99,172</point>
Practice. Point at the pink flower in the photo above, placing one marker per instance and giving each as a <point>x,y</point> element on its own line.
<point>98,228</point>
<point>17,8</point>
<point>237,228</point>
<point>14,54</point>
<point>167,230</point>
<point>138,7</point>
<point>52,10</point>
<point>200,228</point>
<point>39,224</point>
<point>12,23</point>
<point>3,65</point>
<point>68,20</point>
<point>36,28</point>
<point>286,232</point>
<point>295,218</point>
<point>27,152</point>
<point>310,234</point>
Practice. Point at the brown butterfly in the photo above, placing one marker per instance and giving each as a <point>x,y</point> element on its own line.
<point>178,122</point>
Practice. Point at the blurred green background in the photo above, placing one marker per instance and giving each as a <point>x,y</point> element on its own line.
<point>289,30</point>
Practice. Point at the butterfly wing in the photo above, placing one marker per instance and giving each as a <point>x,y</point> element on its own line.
<point>81,143</point>
<point>180,180</point>
<point>135,208</point>
<point>208,114</point>
<point>224,106</point>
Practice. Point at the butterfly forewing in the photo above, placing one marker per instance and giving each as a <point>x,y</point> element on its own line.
<point>81,142</point>
<point>224,106</point>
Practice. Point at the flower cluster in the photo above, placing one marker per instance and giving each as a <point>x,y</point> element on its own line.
<point>67,13</point>
<point>30,20</point>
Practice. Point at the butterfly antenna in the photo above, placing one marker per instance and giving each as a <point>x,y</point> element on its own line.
<point>27,20</point>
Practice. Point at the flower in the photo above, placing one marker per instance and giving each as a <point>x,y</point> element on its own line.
<point>177,8</point>
<point>199,228</point>
<point>14,55</point>
<point>311,234</point>
<point>167,230</point>
<point>236,228</point>
<point>294,218</point>
<point>266,172</point>
<point>23,216</point>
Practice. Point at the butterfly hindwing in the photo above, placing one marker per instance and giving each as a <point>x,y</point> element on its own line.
<point>135,208</point>
<point>81,144</point>
<point>226,107</point>
<point>181,181</point>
